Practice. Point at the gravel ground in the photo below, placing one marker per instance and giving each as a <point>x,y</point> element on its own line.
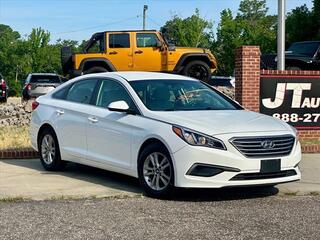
<point>273,217</point>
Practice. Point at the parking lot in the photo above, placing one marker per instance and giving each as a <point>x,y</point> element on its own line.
<point>193,215</point>
<point>88,203</point>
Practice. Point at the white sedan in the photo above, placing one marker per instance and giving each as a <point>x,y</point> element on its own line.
<point>167,130</point>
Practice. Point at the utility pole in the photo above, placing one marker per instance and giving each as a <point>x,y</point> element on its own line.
<point>145,8</point>
<point>281,34</point>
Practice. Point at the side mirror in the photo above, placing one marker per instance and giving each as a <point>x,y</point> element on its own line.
<point>118,106</point>
<point>160,45</point>
<point>171,47</point>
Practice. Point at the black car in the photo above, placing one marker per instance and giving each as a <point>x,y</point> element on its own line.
<point>4,89</point>
<point>300,56</point>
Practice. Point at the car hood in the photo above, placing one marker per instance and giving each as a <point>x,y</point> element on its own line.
<point>222,121</point>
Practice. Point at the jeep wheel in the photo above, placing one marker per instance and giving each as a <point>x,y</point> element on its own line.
<point>197,69</point>
<point>95,70</point>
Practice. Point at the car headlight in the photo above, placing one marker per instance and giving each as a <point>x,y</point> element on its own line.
<point>198,139</point>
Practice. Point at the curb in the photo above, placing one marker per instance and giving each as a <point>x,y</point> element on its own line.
<point>310,148</point>
<point>13,154</point>
<point>30,153</point>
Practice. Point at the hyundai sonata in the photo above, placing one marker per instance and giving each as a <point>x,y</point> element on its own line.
<point>166,130</point>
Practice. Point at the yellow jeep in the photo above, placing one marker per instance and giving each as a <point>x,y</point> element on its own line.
<point>137,51</point>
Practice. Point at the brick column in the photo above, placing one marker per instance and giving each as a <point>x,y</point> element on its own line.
<point>247,74</point>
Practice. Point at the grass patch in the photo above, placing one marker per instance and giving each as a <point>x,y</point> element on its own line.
<point>14,137</point>
<point>307,142</point>
<point>315,193</point>
<point>291,193</point>
<point>12,199</point>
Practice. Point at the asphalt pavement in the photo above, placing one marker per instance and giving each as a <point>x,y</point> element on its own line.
<point>195,216</point>
<point>88,203</point>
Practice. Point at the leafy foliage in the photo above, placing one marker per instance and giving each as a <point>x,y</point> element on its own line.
<point>251,25</point>
<point>18,56</point>
<point>189,32</point>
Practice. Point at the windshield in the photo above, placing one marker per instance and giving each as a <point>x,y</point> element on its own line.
<point>180,95</point>
<point>307,49</point>
<point>45,79</point>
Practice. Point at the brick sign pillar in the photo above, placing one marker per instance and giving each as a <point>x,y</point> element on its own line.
<point>247,74</point>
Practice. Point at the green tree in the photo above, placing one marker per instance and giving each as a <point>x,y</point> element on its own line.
<point>303,24</point>
<point>193,31</point>
<point>8,59</point>
<point>251,26</point>
<point>316,18</point>
<point>299,26</point>
<point>228,39</point>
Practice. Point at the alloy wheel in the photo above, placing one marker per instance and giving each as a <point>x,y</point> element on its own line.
<point>157,171</point>
<point>48,149</point>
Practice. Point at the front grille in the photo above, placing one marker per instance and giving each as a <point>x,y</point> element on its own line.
<point>262,147</point>
<point>257,176</point>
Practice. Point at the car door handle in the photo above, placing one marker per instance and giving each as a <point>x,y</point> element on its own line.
<point>59,111</point>
<point>138,52</point>
<point>113,52</point>
<point>92,119</point>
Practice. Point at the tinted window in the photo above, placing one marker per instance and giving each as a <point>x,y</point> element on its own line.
<point>82,91</point>
<point>45,79</point>
<point>307,49</point>
<point>119,40</point>
<point>111,91</point>
<point>61,94</point>
<point>180,95</point>
<point>146,40</point>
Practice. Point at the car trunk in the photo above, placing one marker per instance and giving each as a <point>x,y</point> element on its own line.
<point>40,85</point>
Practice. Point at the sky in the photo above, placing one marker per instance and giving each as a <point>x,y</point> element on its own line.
<point>79,19</point>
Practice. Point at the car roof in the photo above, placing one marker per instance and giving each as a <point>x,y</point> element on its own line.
<point>307,42</point>
<point>136,76</point>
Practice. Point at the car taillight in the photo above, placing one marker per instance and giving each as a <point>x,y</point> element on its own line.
<point>28,86</point>
<point>3,84</point>
<point>35,104</point>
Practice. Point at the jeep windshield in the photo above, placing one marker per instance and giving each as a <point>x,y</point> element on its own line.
<point>181,95</point>
<point>304,48</point>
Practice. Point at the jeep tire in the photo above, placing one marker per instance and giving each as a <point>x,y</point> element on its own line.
<point>197,69</point>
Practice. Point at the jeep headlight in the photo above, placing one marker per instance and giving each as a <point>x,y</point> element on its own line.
<point>198,139</point>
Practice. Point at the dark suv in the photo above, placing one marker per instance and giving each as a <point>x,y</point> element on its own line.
<point>4,89</point>
<point>300,56</point>
<point>38,84</point>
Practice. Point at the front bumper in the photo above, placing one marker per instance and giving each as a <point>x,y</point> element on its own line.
<point>233,164</point>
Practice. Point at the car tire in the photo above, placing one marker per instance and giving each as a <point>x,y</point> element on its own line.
<point>95,70</point>
<point>49,151</point>
<point>198,69</point>
<point>155,171</point>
